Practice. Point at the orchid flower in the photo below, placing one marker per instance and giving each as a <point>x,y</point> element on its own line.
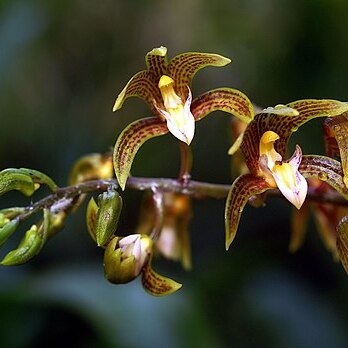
<point>264,144</point>
<point>166,87</point>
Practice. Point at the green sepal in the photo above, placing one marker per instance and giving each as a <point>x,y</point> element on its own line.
<point>91,217</point>
<point>116,269</point>
<point>29,246</point>
<point>110,206</point>
<point>129,142</point>
<point>14,179</point>
<point>342,242</point>
<point>7,230</point>
<point>244,187</point>
<point>156,284</point>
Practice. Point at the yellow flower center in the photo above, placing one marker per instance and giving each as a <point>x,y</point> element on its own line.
<point>267,148</point>
<point>170,99</point>
<point>180,120</point>
<point>286,174</point>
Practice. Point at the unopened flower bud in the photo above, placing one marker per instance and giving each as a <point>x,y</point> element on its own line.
<point>125,257</point>
<point>29,246</point>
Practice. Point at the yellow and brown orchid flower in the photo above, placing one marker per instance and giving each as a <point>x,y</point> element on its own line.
<point>264,144</point>
<point>166,87</point>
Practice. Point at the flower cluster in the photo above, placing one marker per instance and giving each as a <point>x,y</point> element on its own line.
<point>261,158</point>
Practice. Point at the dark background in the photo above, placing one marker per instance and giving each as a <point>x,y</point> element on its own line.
<point>62,63</point>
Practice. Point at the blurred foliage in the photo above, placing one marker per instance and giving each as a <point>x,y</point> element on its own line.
<point>62,63</point>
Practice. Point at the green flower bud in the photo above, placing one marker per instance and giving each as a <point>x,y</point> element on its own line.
<point>29,246</point>
<point>7,228</point>
<point>91,217</point>
<point>110,205</point>
<point>14,179</point>
<point>125,258</point>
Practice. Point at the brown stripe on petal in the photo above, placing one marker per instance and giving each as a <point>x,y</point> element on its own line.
<point>157,285</point>
<point>142,85</point>
<point>129,142</point>
<point>325,169</point>
<point>156,64</point>
<point>330,142</point>
<point>338,128</point>
<point>183,67</point>
<point>242,189</point>
<point>223,99</point>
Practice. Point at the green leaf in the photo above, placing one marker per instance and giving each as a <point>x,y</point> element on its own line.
<point>110,206</point>
<point>156,284</point>
<point>284,121</point>
<point>129,142</point>
<point>244,187</point>
<point>228,100</point>
<point>183,67</point>
<point>325,169</point>
<point>342,242</point>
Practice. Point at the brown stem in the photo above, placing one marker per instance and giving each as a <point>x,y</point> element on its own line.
<point>186,162</point>
<point>196,189</point>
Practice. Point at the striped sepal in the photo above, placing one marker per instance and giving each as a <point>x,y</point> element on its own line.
<point>183,67</point>
<point>129,142</point>
<point>244,187</point>
<point>325,169</point>
<point>224,99</point>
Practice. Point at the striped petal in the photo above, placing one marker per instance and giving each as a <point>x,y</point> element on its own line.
<point>156,284</point>
<point>284,120</point>
<point>325,169</point>
<point>142,85</point>
<point>183,67</point>
<point>129,142</point>
<point>339,129</point>
<point>156,62</point>
<point>342,242</point>
<point>242,189</point>
<point>224,99</point>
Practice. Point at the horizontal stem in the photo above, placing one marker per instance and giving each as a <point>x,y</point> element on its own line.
<point>197,189</point>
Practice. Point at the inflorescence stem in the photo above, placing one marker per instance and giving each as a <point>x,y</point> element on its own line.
<point>196,189</point>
